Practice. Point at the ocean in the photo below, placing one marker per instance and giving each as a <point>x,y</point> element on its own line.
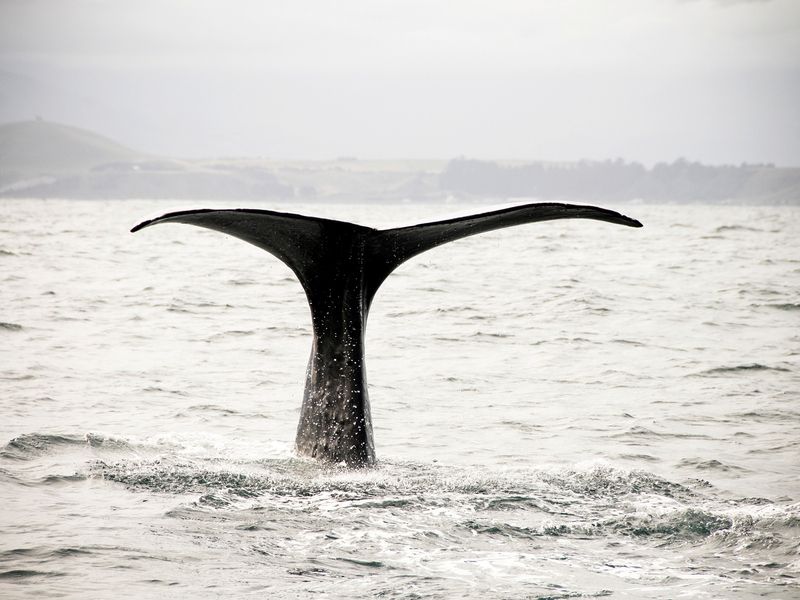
<point>562,410</point>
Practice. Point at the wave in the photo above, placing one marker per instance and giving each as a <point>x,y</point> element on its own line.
<point>215,411</point>
<point>404,313</point>
<point>723,228</point>
<point>491,334</point>
<point>295,477</point>
<point>628,342</point>
<point>10,326</point>
<point>156,389</point>
<point>739,368</point>
<point>232,333</point>
<point>28,573</point>
<point>241,282</point>
<point>604,481</point>
<point>637,431</point>
<point>768,415</point>
<point>580,501</point>
<point>784,306</point>
<point>213,408</point>
<point>710,465</point>
<point>598,501</point>
<point>645,457</point>
<point>682,525</point>
<point>33,445</point>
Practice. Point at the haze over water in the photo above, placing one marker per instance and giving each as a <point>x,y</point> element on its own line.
<point>561,409</point>
<point>714,81</point>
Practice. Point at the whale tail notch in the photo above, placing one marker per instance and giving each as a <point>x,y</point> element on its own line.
<point>341,265</point>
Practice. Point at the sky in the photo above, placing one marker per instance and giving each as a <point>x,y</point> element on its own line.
<point>648,80</point>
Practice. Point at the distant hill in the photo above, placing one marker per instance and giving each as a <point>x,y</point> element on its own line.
<point>599,181</point>
<point>41,146</point>
<point>40,159</point>
<point>48,160</point>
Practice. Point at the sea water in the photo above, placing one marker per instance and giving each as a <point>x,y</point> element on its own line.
<point>561,409</point>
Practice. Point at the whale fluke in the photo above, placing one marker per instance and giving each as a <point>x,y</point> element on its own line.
<point>341,265</point>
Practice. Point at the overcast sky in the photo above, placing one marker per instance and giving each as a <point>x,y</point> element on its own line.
<point>647,80</point>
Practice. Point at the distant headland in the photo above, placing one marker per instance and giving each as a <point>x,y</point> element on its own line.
<point>41,159</point>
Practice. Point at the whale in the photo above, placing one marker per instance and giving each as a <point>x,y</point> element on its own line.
<point>340,266</point>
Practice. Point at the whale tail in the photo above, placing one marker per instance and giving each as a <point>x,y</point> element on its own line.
<point>341,265</point>
<point>307,245</point>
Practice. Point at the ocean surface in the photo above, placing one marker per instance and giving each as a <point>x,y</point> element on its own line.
<point>564,409</point>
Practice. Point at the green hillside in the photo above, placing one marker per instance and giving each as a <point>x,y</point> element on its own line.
<point>41,146</point>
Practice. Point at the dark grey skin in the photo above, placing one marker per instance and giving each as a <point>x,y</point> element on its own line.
<point>341,266</point>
